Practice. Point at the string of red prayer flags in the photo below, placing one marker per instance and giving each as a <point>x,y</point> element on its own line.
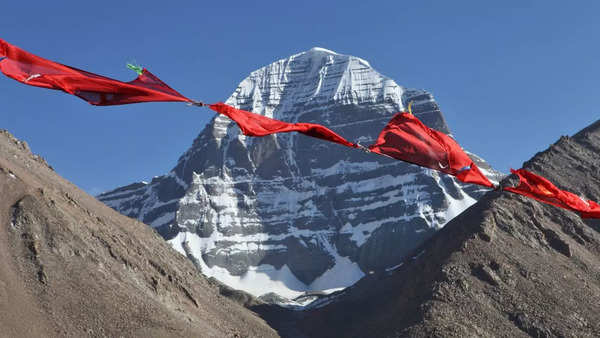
<point>407,139</point>
<point>404,138</point>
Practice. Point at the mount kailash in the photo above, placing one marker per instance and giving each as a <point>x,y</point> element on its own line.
<point>291,214</point>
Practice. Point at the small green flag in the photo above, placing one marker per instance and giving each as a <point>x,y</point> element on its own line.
<point>135,68</point>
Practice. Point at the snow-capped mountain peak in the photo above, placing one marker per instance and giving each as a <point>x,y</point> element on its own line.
<point>313,77</point>
<point>291,214</point>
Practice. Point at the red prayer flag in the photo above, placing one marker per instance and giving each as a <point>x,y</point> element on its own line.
<point>593,212</point>
<point>253,124</point>
<point>95,89</point>
<point>539,188</point>
<point>406,138</point>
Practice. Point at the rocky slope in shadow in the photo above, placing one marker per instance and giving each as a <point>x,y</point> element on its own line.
<point>506,267</point>
<point>71,266</point>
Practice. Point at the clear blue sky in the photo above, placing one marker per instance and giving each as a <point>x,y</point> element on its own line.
<point>510,76</point>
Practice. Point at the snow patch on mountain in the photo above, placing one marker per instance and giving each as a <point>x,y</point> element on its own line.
<point>265,278</point>
<point>455,206</point>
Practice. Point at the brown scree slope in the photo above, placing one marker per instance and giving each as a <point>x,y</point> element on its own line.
<point>71,266</point>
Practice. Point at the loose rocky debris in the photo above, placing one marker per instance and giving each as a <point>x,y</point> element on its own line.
<point>74,267</point>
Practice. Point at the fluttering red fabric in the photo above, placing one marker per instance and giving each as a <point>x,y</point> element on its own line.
<point>406,138</point>
<point>253,124</point>
<point>593,212</point>
<point>95,89</point>
<point>539,188</point>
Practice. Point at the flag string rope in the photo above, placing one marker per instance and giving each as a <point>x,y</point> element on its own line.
<point>404,138</point>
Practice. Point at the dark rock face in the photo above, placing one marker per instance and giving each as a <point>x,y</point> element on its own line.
<point>72,267</point>
<point>292,202</point>
<point>506,267</point>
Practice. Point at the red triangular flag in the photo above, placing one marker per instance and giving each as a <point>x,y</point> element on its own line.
<point>539,188</point>
<point>406,138</point>
<point>95,89</point>
<point>253,124</point>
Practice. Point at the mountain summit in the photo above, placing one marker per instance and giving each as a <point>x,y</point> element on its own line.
<point>290,214</point>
